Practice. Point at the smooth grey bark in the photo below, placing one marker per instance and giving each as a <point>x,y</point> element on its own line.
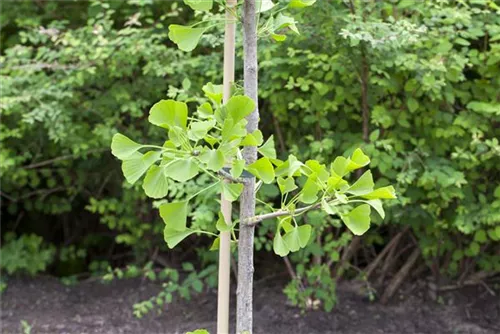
<point>244,315</point>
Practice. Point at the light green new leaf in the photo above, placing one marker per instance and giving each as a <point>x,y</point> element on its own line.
<point>222,225</point>
<point>339,166</point>
<point>309,191</point>
<point>214,159</point>
<point>363,185</point>
<point>215,244</point>
<point>377,205</point>
<point>155,183</point>
<point>205,110</point>
<point>289,167</point>
<point>231,130</point>
<point>279,246</point>
<point>286,185</point>
<point>304,232</point>
<point>213,92</point>
<point>328,208</point>
<point>174,215</point>
<point>263,5</point>
<point>185,37</point>
<point>253,139</point>
<point>203,5</point>
<point>358,220</point>
<point>231,191</point>
<point>268,150</point>
<point>382,193</point>
<point>283,21</point>
<point>286,223</point>
<point>262,169</point>
<point>122,147</point>
<point>198,130</point>
<point>291,240</point>
<point>181,170</point>
<point>301,3</point>
<point>177,136</point>
<point>173,237</point>
<point>239,107</point>
<point>357,160</point>
<point>138,164</point>
<point>237,168</point>
<point>278,37</point>
<point>169,113</point>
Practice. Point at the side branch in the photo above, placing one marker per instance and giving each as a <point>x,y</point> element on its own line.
<point>257,219</point>
<point>229,177</point>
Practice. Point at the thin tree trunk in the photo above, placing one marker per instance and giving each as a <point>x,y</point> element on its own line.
<point>247,201</point>
<point>225,237</point>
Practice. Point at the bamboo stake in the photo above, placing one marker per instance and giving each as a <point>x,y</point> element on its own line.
<point>226,207</point>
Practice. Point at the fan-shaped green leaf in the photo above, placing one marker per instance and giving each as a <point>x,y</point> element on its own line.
<point>237,168</point>
<point>263,5</point>
<point>198,130</point>
<point>304,232</point>
<point>268,150</point>
<point>363,185</point>
<point>169,113</point>
<point>173,237</point>
<point>382,193</point>
<point>253,139</point>
<point>181,169</point>
<point>174,215</point>
<point>138,164</point>
<point>122,147</point>
<point>286,185</point>
<point>239,107</point>
<point>279,246</point>
<point>213,92</point>
<point>203,5</point>
<point>358,220</point>
<point>222,225</point>
<point>301,3</point>
<point>262,169</point>
<point>214,159</point>
<point>339,166</point>
<point>231,191</point>
<point>358,159</point>
<point>283,21</point>
<point>185,37</point>
<point>309,191</point>
<point>155,183</point>
<point>289,167</point>
<point>291,240</point>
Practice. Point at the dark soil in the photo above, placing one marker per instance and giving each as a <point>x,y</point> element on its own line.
<point>91,307</point>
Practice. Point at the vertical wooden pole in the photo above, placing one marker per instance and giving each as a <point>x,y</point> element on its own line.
<point>225,237</point>
<point>244,311</point>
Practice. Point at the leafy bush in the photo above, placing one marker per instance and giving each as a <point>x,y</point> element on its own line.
<point>26,254</point>
<point>414,84</point>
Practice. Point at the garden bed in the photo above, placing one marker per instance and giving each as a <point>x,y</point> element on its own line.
<point>91,307</point>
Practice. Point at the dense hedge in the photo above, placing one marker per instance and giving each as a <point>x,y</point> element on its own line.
<point>415,84</point>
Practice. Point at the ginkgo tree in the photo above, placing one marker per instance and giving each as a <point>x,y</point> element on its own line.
<point>221,140</point>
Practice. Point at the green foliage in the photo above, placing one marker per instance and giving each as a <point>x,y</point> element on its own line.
<point>69,85</point>
<point>26,254</point>
<point>184,155</point>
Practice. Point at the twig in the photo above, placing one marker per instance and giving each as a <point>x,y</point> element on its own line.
<point>393,243</point>
<point>256,219</point>
<point>229,177</point>
<point>400,276</point>
<point>64,157</point>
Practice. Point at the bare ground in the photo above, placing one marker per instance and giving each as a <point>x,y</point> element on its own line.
<point>91,307</point>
